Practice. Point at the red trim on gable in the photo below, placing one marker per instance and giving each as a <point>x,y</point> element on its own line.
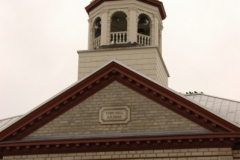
<point>103,77</point>
<point>155,3</point>
<point>120,144</point>
<point>181,103</point>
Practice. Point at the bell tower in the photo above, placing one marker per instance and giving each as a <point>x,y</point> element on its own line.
<point>129,31</point>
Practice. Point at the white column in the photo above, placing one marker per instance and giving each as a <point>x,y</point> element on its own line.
<point>104,27</point>
<point>156,33</point>
<point>109,21</point>
<point>160,37</point>
<point>133,24</point>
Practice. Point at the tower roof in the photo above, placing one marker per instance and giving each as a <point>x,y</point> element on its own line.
<point>156,3</point>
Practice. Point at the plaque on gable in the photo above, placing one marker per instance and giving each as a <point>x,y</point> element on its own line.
<point>114,115</point>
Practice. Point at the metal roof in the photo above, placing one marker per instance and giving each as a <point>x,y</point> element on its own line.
<point>4,123</point>
<point>228,109</point>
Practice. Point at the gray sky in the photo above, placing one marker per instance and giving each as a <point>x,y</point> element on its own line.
<point>39,40</point>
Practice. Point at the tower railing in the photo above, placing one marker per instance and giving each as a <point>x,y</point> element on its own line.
<point>96,42</point>
<point>143,39</point>
<point>121,37</point>
<point>118,37</point>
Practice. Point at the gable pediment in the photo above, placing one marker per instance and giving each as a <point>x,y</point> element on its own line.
<point>103,77</point>
<point>145,117</point>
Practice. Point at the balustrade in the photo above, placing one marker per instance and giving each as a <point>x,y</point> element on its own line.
<point>118,37</point>
<point>143,39</point>
<point>121,37</point>
<point>96,42</point>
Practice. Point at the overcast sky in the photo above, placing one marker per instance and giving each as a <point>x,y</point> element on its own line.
<point>39,40</point>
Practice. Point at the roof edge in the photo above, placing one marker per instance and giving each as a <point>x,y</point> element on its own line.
<point>155,3</point>
<point>212,96</point>
<point>118,144</point>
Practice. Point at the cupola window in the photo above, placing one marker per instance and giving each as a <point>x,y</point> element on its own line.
<point>97,27</point>
<point>118,28</point>
<point>97,33</point>
<point>143,37</point>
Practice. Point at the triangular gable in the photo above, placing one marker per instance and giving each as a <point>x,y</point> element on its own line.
<point>146,117</point>
<point>114,71</point>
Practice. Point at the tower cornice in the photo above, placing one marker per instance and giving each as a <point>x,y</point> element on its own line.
<point>155,3</point>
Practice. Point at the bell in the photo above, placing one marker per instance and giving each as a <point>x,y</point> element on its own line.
<point>97,25</point>
<point>146,22</point>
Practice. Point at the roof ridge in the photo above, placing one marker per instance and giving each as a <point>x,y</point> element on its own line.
<point>211,96</point>
<point>11,117</point>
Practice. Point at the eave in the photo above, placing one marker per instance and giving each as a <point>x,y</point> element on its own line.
<point>155,3</point>
<point>120,144</point>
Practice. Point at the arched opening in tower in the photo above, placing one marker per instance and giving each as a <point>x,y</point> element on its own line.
<point>144,30</point>
<point>119,22</point>
<point>144,24</point>
<point>97,27</point>
<point>118,28</point>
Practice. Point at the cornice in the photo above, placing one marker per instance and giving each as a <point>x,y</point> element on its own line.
<point>104,11</point>
<point>132,9</point>
<point>155,3</point>
<point>119,144</point>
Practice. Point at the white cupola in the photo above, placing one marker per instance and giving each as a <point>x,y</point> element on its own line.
<point>128,31</point>
<point>123,21</point>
